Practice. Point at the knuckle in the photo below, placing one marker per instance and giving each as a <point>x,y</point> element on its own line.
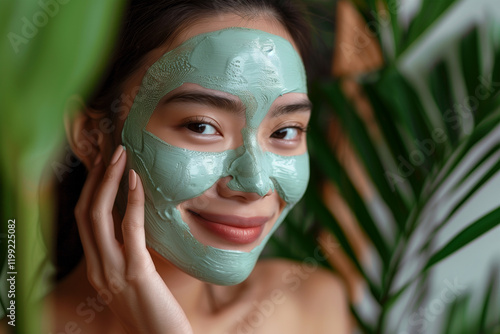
<point>78,211</point>
<point>137,273</point>
<point>135,201</point>
<point>110,175</point>
<point>96,216</point>
<point>111,276</point>
<point>132,276</point>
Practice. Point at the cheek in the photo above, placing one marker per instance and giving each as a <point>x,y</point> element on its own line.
<point>281,203</point>
<point>177,174</point>
<point>291,173</point>
<point>202,202</point>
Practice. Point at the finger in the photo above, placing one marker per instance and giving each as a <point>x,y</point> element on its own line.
<point>82,210</point>
<point>101,212</point>
<point>134,238</point>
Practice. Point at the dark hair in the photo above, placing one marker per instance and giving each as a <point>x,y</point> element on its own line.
<point>148,25</point>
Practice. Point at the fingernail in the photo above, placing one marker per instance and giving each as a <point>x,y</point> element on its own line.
<point>98,159</point>
<point>132,179</point>
<point>117,154</point>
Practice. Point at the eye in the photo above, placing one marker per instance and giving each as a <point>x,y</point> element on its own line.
<point>201,128</point>
<point>290,133</point>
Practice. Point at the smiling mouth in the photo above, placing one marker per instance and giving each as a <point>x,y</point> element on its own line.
<point>236,229</point>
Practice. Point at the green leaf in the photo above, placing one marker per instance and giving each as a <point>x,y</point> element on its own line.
<point>495,73</point>
<point>355,129</point>
<point>456,321</point>
<point>454,160</point>
<point>405,106</point>
<point>492,151</point>
<point>393,138</point>
<point>430,12</point>
<point>397,31</point>
<point>65,57</point>
<point>61,57</point>
<point>492,171</point>
<point>491,288</point>
<point>322,155</point>
<point>441,89</point>
<point>329,222</point>
<point>467,235</point>
<point>470,61</point>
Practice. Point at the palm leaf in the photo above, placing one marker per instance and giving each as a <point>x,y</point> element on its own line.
<point>420,159</point>
<point>467,235</point>
<point>61,58</point>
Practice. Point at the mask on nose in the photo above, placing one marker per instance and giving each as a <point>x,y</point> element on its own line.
<point>253,65</point>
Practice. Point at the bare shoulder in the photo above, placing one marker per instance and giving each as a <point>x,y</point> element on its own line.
<point>59,310</point>
<point>316,295</point>
<point>73,306</point>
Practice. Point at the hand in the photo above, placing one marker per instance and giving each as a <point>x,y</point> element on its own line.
<point>140,299</point>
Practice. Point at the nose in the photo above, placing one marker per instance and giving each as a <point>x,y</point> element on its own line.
<point>250,173</point>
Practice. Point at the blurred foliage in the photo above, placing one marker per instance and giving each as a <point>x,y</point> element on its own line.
<point>418,159</point>
<point>52,51</point>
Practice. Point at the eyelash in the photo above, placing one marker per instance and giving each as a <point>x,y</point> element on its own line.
<point>208,121</point>
<point>198,120</point>
<point>300,129</point>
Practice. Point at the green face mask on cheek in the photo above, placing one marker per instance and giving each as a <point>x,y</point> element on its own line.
<point>253,65</point>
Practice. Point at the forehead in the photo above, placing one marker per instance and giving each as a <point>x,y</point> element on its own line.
<point>264,22</point>
<point>236,59</point>
<point>252,64</point>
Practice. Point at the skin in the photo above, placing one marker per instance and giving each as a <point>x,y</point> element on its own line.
<point>144,293</point>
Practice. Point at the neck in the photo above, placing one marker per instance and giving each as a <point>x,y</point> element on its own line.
<point>192,294</point>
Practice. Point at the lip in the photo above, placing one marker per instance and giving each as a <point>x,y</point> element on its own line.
<point>236,229</point>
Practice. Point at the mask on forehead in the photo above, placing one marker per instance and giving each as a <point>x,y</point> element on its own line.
<point>253,65</point>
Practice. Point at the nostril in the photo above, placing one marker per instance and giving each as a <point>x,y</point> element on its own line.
<point>256,183</point>
<point>229,188</point>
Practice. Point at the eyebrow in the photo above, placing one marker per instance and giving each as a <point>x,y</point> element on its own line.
<point>302,106</point>
<point>233,105</point>
<point>209,100</point>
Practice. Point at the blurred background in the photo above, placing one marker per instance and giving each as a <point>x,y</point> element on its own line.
<point>404,145</point>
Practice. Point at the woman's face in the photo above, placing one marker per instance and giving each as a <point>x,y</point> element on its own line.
<point>201,119</point>
<point>241,124</point>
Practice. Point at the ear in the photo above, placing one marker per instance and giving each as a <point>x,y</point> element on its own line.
<point>82,133</point>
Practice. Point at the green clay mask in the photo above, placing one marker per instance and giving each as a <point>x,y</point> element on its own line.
<point>253,65</point>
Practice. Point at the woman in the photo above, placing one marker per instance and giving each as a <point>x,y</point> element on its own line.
<point>210,102</point>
